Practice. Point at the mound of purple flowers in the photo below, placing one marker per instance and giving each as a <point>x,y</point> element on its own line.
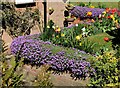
<point>81,12</point>
<point>33,51</point>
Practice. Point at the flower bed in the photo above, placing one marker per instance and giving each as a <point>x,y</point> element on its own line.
<point>34,52</point>
<point>85,12</point>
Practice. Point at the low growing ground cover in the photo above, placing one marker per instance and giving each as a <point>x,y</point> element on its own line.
<point>35,52</point>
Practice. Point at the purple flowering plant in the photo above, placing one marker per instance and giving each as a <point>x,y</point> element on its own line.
<point>81,12</point>
<point>32,51</point>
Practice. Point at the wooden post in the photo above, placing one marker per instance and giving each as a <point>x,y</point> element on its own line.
<point>45,15</point>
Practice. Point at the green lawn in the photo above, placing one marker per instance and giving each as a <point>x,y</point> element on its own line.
<point>99,40</point>
<point>108,4</point>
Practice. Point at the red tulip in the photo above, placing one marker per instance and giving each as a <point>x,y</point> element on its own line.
<point>107,10</point>
<point>113,10</point>
<point>106,39</point>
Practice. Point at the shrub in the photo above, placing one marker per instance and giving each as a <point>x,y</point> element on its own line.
<point>18,23</point>
<point>3,47</point>
<point>9,71</point>
<point>33,51</point>
<point>106,70</point>
<point>43,79</point>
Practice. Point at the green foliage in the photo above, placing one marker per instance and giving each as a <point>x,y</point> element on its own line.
<point>101,5</point>
<point>43,78</point>
<point>47,35</point>
<point>3,47</point>
<point>73,37</point>
<point>100,45</point>
<point>81,4</point>
<point>18,23</point>
<point>87,46</point>
<point>10,77</point>
<point>106,69</point>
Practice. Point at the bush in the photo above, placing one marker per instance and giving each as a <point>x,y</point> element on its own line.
<point>18,23</point>
<point>3,47</point>
<point>106,70</point>
<point>33,51</point>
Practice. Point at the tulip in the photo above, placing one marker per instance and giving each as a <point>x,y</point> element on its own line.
<point>107,10</point>
<point>106,39</point>
<point>93,20</point>
<point>113,10</point>
<point>89,13</point>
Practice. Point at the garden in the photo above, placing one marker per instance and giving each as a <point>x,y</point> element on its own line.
<point>87,48</point>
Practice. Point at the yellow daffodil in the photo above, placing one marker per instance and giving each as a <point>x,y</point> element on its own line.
<point>112,16</point>
<point>58,30</point>
<point>89,13</point>
<point>92,7</point>
<point>57,36</point>
<point>78,37</point>
<point>104,12</point>
<point>116,21</point>
<point>80,44</point>
<point>62,35</point>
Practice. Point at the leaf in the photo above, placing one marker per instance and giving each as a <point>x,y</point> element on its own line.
<point>8,73</point>
<point>12,62</point>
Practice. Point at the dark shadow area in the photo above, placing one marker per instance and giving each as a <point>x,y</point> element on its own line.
<point>116,34</point>
<point>25,5</point>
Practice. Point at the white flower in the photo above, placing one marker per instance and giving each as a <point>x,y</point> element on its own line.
<point>83,29</point>
<point>76,25</point>
<point>48,26</point>
<point>53,27</point>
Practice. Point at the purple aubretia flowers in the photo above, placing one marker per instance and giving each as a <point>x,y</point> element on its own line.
<point>33,51</point>
<point>81,12</point>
